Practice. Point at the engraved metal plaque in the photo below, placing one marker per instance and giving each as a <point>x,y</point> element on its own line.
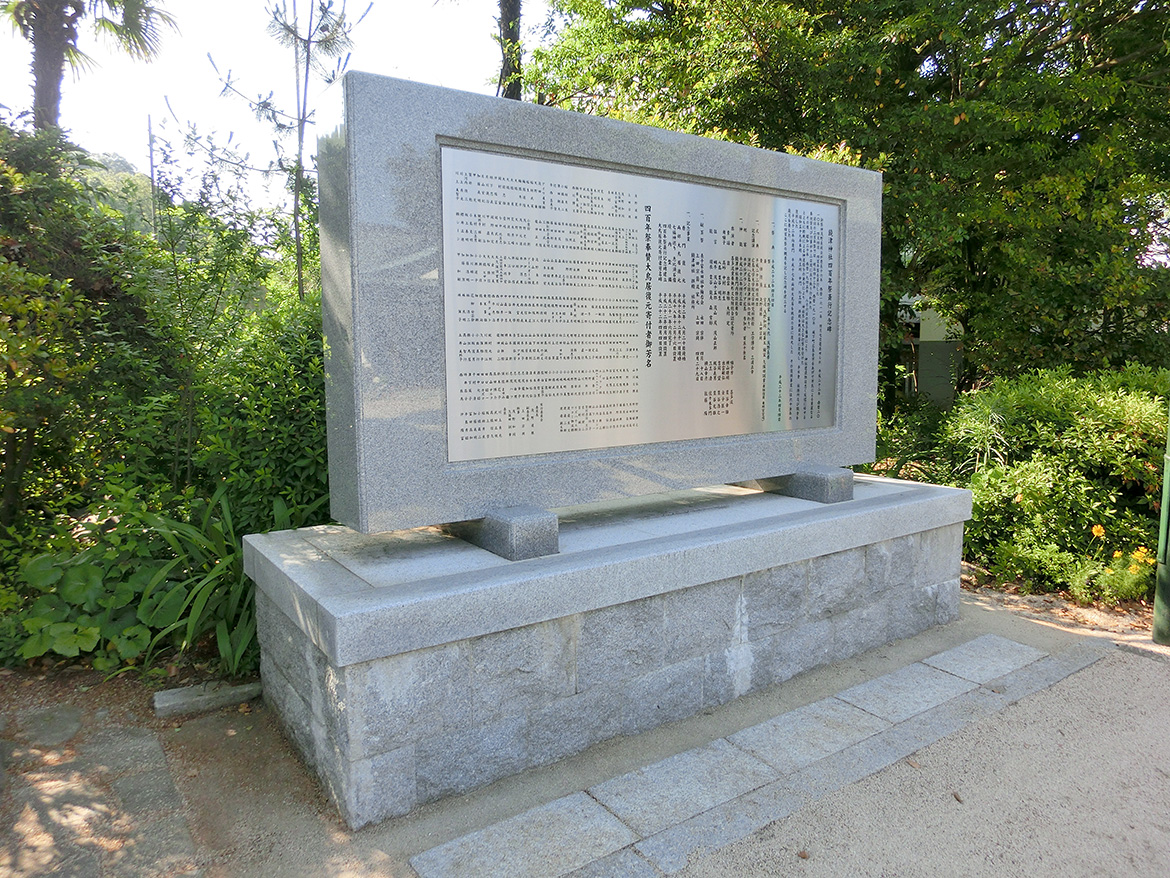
<point>589,308</point>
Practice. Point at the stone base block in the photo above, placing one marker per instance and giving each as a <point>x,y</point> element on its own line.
<point>411,666</point>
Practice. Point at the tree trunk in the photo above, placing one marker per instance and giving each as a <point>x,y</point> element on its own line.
<point>54,29</point>
<point>510,48</point>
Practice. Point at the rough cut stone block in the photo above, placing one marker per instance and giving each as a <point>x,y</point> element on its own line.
<point>523,668</point>
<point>773,598</point>
<point>947,602</point>
<point>471,757</point>
<point>701,620</point>
<point>379,787</point>
<point>516,533</point>
<point>940,555</point>
<point>620,643</point>
<point>295,716</point>
<point>410,696</point>
<point>784,655</point>
<point>287,646</point>
<point>570,725</point>
<point>663,696</point>
<point>890,564</point>
<point>836,583</point>
<point>911,609</point>
<point>862,629</point>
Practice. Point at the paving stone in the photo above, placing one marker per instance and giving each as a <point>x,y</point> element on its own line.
<point>545,841</point>
<point>1043,673</point>
<point>50,726</point>
<point>671,849</point>
<point>116,750</point>
<point>905,692</point>
<point>147,793</point>
<point>626,863</point>
<point>681,786</point>
<point>985,658</point>
<point>802,736</point>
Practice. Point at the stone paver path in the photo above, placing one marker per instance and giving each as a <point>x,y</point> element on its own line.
<point>98,805</point>
<point>650,821</point>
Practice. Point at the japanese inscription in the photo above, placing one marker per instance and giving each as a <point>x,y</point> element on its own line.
<point>590,308</point>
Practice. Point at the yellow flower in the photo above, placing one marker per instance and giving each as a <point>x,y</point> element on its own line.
<point>1133,568</point>
<point>1098,531</point>
<point>1117,554</point>
<point>1150,561</point>
<point>1142,550</point>
<point>1108,569</point>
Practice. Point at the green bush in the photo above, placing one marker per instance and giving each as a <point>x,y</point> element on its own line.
<point>262,419</point>
<point>1066,474</point>
<point>162,397</point>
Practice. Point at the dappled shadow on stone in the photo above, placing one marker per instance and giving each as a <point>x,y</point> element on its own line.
<point>88,803</point>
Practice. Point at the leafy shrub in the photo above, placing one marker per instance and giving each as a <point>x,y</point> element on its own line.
<point>1065,472</point>
<point>262,420</point>
<point>143,581</point>
<point>80,349</point>
<point>162,396</point>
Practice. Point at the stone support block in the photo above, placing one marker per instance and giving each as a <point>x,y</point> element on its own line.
<point>821,484</point>
<point>516,533</point>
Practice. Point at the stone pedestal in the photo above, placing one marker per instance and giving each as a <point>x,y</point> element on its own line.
<point>413,665</point>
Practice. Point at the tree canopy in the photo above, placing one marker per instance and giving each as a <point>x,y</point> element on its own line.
<point>1024,145</point>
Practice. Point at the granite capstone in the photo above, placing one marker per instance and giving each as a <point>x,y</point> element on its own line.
<point>465,599</point>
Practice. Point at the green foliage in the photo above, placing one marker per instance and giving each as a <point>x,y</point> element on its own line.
<point>145,581</point>
<point>1066,475</point>
<point>1024,148</point>
<point>262,420</point>
<point>76,336</point>
<point>163,396</point>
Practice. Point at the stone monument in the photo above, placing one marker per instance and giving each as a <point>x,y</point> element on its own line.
<point>591,386</point>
